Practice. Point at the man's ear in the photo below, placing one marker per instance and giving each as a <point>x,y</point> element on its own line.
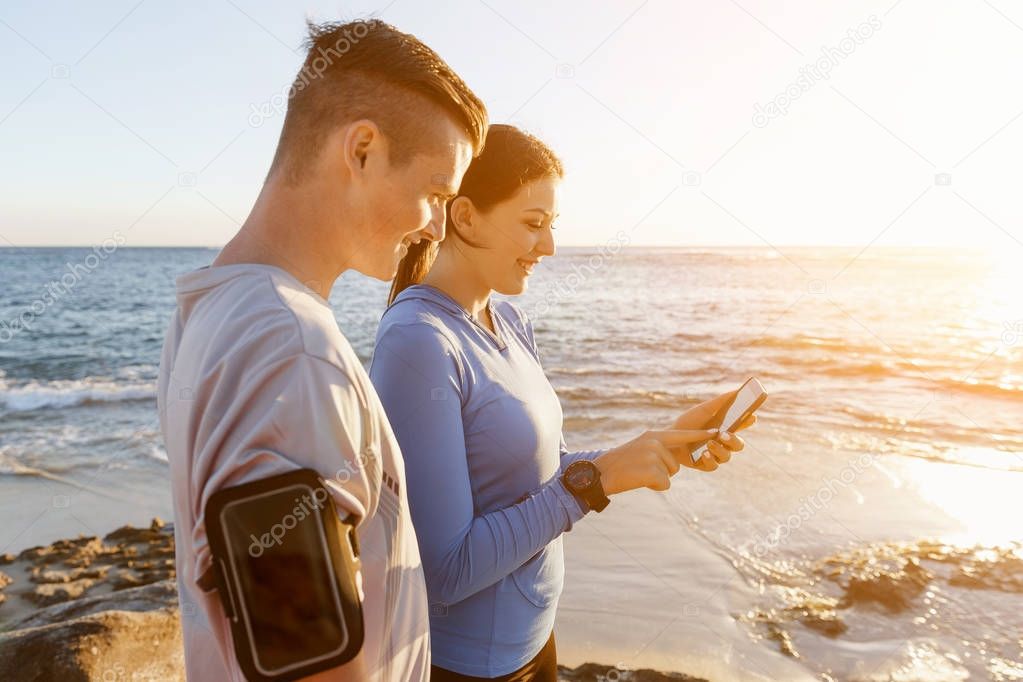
<point>463,216</point>
<point>362,142</point>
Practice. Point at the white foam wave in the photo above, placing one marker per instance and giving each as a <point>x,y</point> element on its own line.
<point>158,453</point>
<point>63,394</point>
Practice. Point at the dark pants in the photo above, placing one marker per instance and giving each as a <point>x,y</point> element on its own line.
<point>543,668</point>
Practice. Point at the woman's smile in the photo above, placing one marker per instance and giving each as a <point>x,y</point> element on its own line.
<point>526,265</point>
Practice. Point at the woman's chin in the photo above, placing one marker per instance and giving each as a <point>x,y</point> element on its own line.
<point>513,287</point>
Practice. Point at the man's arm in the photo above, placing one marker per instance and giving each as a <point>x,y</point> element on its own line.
<point>300,412</point>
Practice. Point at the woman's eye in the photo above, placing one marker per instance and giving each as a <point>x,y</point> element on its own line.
<point>535,226</point>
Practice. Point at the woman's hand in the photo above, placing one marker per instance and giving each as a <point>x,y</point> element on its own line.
<point>647,461</point>
<point>721,448</point>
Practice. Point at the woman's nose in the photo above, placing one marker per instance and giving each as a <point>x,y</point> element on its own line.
<point>545,247</point>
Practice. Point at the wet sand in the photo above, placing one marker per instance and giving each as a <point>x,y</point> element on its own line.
<point>745,575</point>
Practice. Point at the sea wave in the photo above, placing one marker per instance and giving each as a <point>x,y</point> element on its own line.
<point>71,393</point>
<point>980,388</point>
<point>847,368</point>
<point>622,397</point>
<point>808,342</point>
<point>600,371</point>
<point>11,467</point>
<point>157,452</point>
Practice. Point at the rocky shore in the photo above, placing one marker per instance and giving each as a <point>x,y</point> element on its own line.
<point>93,608</point>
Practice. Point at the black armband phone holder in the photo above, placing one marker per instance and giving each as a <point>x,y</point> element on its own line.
<point>287,571</point>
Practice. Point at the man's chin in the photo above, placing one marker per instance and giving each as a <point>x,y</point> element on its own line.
<point>385,272</point>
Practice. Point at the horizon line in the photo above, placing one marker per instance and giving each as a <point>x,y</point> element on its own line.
<point>767,247</point>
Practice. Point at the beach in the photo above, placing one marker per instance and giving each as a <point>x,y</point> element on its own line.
<point>107,609</point>
<point>870,530</point>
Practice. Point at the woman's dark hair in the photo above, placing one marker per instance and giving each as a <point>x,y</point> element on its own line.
<point>510,159</point>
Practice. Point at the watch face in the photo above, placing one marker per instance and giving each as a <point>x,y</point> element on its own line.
<point>580,477</point>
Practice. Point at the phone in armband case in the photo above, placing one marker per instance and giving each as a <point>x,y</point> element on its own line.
<point>287,570</point>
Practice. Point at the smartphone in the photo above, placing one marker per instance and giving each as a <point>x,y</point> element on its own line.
<point>750,396</point>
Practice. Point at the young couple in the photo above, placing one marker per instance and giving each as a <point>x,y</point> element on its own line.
<point>456,469</point>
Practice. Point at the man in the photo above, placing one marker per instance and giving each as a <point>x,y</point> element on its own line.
<point>257,380</point>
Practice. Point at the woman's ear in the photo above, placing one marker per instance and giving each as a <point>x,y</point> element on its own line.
<point>463,217</point>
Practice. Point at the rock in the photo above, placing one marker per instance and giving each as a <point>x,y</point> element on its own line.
<point>125,580</point>
<point>999,569</point>
<point>38,575</point>
<point>778,634</point>
<point>133,634</point>
<point>894,589</point>
<point>131,535</point>
<point>817,612</point>
<point>109,645</point>
<point>7,559</point>
<point>77,552</point>
<point>54,593</point>
<point>152,597</point>
<point>5,580</point>
<point>826,623</point>
<point>594,672</point>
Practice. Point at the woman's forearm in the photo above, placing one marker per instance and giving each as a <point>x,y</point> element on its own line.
<point>497,543</point>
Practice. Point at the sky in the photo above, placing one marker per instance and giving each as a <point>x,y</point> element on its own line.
<point>683,123</point>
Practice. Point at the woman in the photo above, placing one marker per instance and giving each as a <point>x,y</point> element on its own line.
<point>491,484</point>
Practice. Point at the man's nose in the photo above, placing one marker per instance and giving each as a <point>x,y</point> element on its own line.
<point>434,231</point>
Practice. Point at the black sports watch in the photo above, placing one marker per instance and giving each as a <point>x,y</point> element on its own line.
<point>582,479</point>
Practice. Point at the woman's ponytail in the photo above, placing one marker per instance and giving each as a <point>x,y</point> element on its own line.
<point>413,267</point>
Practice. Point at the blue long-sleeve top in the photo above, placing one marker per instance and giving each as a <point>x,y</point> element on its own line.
<point>479,427</point>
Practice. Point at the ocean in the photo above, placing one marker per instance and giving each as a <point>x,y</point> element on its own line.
<point>870,531</point>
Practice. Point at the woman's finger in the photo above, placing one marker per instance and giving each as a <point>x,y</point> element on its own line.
<point>731,441</point>
<point>707,462</point>
<point>673,438</point>
<point>671,464</point>
<point>661,481</point>
<point>708,408</point>
<point>746,423</point>
<point>669,459</point>
<point>720,452</point>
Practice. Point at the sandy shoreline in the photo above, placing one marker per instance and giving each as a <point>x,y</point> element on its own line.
<point>106,608</point>
<point>874,583</point>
